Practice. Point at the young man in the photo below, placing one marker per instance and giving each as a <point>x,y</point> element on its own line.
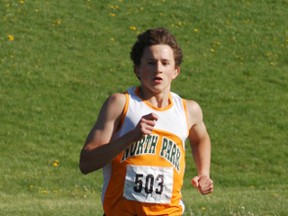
<point>139,136</point>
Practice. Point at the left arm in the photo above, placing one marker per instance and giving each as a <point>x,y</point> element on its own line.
<point>201,148</point>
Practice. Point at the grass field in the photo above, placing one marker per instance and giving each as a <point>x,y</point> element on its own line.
<point>59,60</point>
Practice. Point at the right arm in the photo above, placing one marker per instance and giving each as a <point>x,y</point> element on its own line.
<point>99,148</point>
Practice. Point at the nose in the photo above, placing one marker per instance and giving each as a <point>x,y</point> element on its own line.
<point>159,67</point>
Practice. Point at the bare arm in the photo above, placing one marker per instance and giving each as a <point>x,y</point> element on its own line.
<point>201,148</point>
<point>99,148</point>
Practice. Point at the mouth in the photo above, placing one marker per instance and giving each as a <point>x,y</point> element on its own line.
<point>157,79</point>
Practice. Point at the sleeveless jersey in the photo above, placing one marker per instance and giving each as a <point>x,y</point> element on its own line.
<point>146,178</point>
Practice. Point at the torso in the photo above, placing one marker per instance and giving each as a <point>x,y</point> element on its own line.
<point>147,177</point>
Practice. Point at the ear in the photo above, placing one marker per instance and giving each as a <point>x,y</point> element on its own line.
<point>176,72</point>
<point>137,71</point>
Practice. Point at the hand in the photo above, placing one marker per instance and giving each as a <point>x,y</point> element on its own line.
<point>203,183</point>
<point>146,124</point>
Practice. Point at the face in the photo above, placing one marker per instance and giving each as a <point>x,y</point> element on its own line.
<point>157,69</point>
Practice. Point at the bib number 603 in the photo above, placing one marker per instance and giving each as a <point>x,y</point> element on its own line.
<point>149,183</point>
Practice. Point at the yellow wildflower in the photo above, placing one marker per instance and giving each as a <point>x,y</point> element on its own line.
<point>133,28</point>
<point>196,30</point>
<point>55,163</point>
<point>58,22</point>
<point>22,1</point>
<point>112,14</point>
<point>11,37</point>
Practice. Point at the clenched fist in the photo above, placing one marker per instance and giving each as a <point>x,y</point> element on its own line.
<point>203,184</point>
<point>146,125</point>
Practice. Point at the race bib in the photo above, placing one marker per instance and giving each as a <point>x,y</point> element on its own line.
<point>149,184</point>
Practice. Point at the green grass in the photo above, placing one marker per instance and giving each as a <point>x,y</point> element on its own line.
<point>68,56</point>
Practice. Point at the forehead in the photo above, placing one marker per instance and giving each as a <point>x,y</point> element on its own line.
<point>159,51</point>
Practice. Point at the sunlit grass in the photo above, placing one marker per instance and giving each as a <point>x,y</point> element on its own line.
<point>59,60</point>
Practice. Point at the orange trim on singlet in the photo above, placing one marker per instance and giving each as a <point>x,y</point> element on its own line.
<point>125,109</point>
<point>137,92</point>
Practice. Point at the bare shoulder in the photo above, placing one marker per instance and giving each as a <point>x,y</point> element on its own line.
<point>194,113</point>
<point>114,105</point>
<point>107,121</point>
<point>116,99</point>
<point>197,128</point>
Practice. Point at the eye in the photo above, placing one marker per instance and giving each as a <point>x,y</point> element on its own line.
<point>165,63</point>
<point>151,62</point>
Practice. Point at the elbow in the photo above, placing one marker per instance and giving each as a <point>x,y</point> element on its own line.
<point>84,163</point>
<point>86,168</point>
<point>83,169</point>
<point>89,163</point>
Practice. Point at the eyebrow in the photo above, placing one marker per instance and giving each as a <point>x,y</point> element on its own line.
<point>153,59</point>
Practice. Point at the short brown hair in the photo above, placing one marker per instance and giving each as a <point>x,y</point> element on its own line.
<point>155,37</point>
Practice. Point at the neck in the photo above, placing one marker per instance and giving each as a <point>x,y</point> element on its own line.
<point>160,100</point>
